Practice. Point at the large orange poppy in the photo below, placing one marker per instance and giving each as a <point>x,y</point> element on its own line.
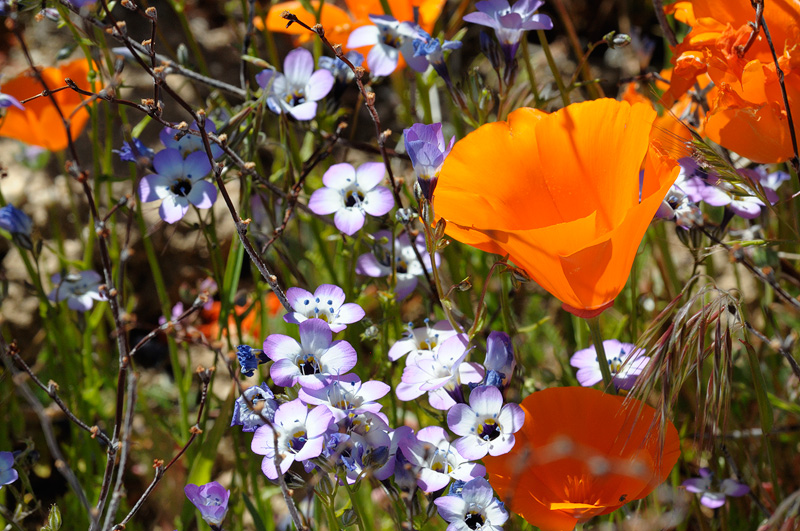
<point>747,116</point>
<point>39,124</point>
<point>560,194</point>
<point>581,453</point>
<point>338,23</point>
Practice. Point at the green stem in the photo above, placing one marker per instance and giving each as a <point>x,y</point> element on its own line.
<point>531,74</point>
<point>597,340</point>
<point>553,67</point>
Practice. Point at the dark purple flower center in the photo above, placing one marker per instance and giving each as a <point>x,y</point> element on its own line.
<point>182,187</point>
<point>474,520</point>
<point>353,198</point>
<point>308,366</point>
<point>295,98</point>
<point>489,430</point>
<point>297,442</point>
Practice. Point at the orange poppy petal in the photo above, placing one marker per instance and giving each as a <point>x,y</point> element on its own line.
<point>335,20</point>
<point>581,453</point>
<point>40,124</point>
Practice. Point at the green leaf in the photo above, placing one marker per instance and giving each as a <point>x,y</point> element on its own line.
<point>759,386</point>
<point>258,523</point>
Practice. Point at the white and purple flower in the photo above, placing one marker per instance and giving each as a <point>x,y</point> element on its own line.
<point>299,88</point>
<point>500,361</point>
<point>7,101</point>
<point>347,396</point>
<point>510,22</point>
<point>475,508</point>
<point>714,499</point>
<point>625,362</point>
<point>80,290</point>
<point>264,406</point>
<point>314,362</point>
<point>437,461</point>
<point>426,146</point>
<point>486,425</point>
<point>423,339</point>
<point>186,143</point>
<point>7,472</point>
<point>388,39</point>
<point>440,374</point>
<point>18,224</point>
<point>327,303</point>
<point>378,263</point>
<point>178,182</point>
<point>210,499</point>
<point>352,194</point>
<point>300,436</point>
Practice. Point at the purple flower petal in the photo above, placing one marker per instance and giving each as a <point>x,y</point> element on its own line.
<point>378,201</point>
<point>169,163</point>
<point>173,208</point>
<point>304,111</point>
<point>363,36</point>
<point>319,85</point>
<point>325,201</point>
<point>349,220</point>
<point>203,194</point>
<point>298,67</point>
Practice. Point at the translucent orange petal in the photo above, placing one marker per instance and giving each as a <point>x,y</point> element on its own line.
<point>335,20</point>
<point>750,119</point>
<point>581,453</point>
<point>40,123</point>
<point>552,191</point>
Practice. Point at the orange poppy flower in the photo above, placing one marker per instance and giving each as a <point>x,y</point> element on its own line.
<point>251,324</point>
<point>560,194</point>
<point>581,453</point>
<point>39,124</point>
<point>338,23</point>
<point>747,115</point>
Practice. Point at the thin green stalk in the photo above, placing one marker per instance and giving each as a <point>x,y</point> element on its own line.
<point>353,501</point>
<point>553,67</point>
<point>526,54</point>
<point>597,340</point>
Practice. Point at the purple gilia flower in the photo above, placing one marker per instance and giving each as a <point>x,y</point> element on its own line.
<point>7,472</point>
<point>712,499</point>
<point>367,454</point>
<point>7,101</point>
<point>679,208</point>
<point>190,143</point>
<point>426,146</point>
<point>18,224</point>
<point>437,461</point>
<point>486,425</point>
<point>440,374</point>
<point>347,396</point>
<point>432,50</point>
<point>178,182</point>
<point>327,303</point>
<point>510,22</point>
<point>80,290</point>
<point>475,508</point>
<point>424,339</point>
<point>352,194</point>
<point>300,436</point>
<point>299,88</point>
<point>770,182</point>
<point>210,499</point>
<point>313,362</point>
<point>264,406</point>
<point>250,359</point>
<point>378,262</point>
<point>388,39</point>
<point>499,362</point>
<point>136,150</point>
<point>625,362</point>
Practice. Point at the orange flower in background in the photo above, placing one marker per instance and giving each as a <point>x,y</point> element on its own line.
<point>581,453</point>
<point>747,115</point>
<point>251,324</point>
<point>338,23</point>
<point>39,124</point>
<point>560,194</point>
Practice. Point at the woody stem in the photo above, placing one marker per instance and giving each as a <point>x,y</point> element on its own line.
<point>597,340</point>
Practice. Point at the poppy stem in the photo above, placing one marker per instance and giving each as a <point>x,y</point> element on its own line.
<point>597,340</point>
<point>553,67</point>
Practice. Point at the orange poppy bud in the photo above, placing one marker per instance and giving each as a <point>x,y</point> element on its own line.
<point>560,194</point>
<point>39,124</point>
<point>582,453</point>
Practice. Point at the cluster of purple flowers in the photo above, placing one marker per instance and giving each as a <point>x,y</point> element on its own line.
<point>695,185</point>
<point>625,362</point>
<point>336,420</point>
